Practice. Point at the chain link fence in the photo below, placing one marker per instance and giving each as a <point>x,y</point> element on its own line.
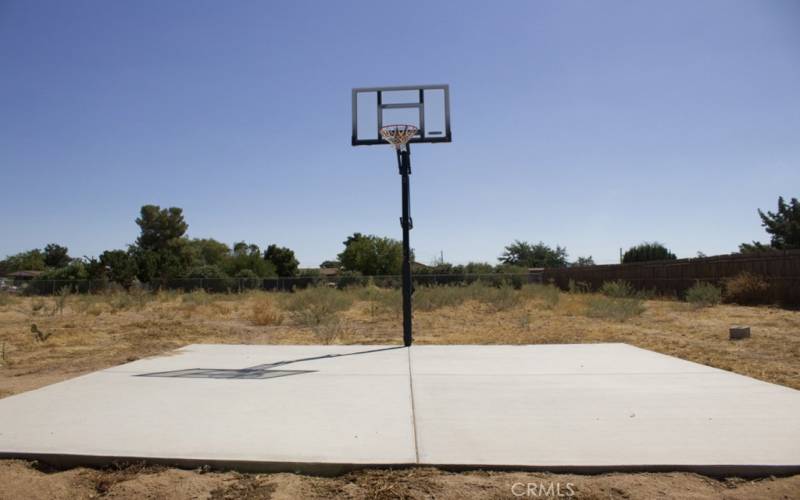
<point>241,285</point>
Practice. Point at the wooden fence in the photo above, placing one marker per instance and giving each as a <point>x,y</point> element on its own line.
<point>780,269</point>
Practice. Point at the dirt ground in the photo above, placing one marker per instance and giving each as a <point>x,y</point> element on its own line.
<point>21,480</point>
<point>86,333</point>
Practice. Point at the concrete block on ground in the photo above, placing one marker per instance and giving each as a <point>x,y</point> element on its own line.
<point>739,332</point>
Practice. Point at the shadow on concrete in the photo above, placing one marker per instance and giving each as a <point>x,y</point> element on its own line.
<point>263,371</point>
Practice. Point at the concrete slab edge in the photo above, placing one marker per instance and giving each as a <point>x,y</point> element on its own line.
<point>715,471</point>
<point>66,461</point>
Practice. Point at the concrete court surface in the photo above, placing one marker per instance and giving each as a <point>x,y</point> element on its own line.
<point>326,409</point>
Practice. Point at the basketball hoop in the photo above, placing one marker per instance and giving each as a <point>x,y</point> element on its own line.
<point>398,135</point>
<point>417,103</point>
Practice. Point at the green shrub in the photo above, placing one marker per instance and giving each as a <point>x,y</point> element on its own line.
<point>703,294</point>
<point>211,278</point>
<point>369,294</point>
<point>315,305</point>
<point>430,298</point>
<point>617,309</point>
<point>516,276</point>
<point>374,296</point>
<point>646,252</point>
<point>578,287</point>
<point>498,297</point>
<point>618,289</point>
<point>389,301</point>
<point>478,268</point>
<point>747,289</point>
<point>379,300</point>
<point>52,281</point>
<point>349,279</point>
<point>247,279</point>
<point>504,297</point>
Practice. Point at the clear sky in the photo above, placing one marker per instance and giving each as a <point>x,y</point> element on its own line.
<point>592,125</point>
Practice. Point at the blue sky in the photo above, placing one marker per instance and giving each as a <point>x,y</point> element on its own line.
<point>592,125</point>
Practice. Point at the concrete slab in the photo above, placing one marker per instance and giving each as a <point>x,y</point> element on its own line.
<point>325,409</point>
<point>331,405</point>
<point>597,407</point>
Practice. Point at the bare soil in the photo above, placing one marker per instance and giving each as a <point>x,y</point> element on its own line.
<point>88,333</point>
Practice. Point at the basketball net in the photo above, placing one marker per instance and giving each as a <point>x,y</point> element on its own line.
<point>398,135</point>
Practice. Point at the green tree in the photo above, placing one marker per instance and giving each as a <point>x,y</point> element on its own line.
<point>583,261</point>
<point>121,266</point>
<point>372,255</point>
<point>283,259</point>
<point>439,267</point>
<point>160,228</point>
<point>31,260</point>
<point>755,246</point>
<point>56,256</point>
<point>248,256</point>
<point>211,278</point>
<point>478,268</point>
<point>522,253</point>
<point>646,252</point>
<point>208,251</point>
<point>161,250</point>
<point>783,227</point>
<point>95,270</point>
<point>74,271</point>
<point>331,264</point>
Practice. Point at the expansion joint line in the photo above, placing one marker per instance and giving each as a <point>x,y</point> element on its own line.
<point>413,409</point>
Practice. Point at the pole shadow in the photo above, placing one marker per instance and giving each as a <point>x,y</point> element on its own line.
<point>263,371</point>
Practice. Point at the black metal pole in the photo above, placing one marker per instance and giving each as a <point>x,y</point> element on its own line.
<point>404,163</point>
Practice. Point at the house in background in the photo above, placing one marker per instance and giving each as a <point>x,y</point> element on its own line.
<point>22,276</point>
<point>13,281</point>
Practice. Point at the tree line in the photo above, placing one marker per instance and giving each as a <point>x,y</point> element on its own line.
<point>163,252</point>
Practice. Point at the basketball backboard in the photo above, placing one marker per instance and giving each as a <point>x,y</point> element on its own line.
<point>426,107</point>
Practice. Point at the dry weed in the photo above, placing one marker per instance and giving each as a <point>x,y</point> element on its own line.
<point>264,312</point>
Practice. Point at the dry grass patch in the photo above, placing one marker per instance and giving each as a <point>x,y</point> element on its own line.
<point>92,333</point>
<point>747,288</point>
<point>314,306</point>
<point>265,313</point>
